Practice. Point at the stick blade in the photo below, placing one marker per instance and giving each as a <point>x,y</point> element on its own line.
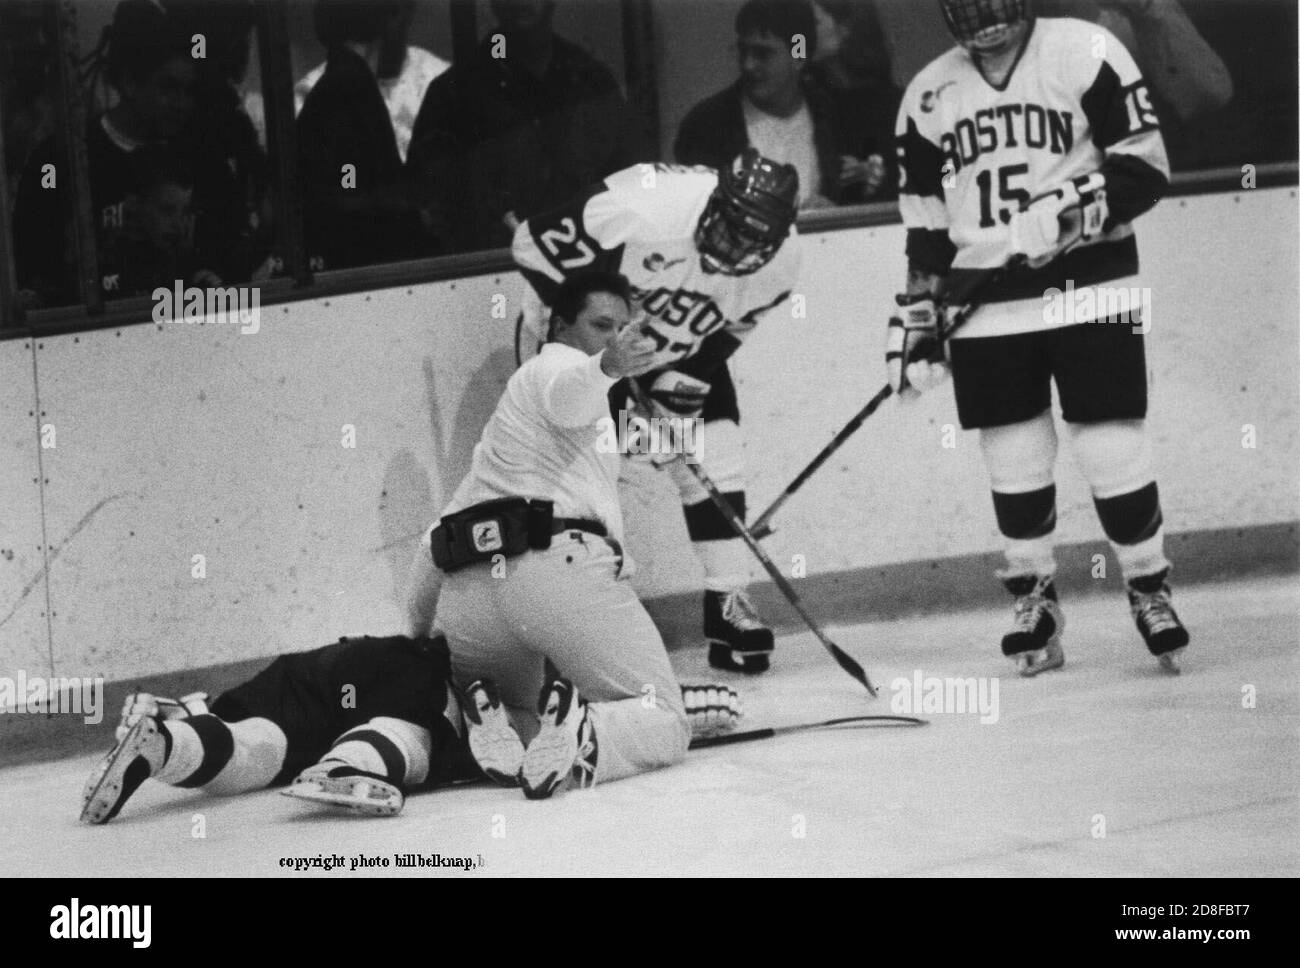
<point>851,666</point>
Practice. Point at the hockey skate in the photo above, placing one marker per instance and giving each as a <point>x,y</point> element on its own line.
<point>1034,645</point>
<point>1164,634</point>
<point>738,640</point>
<point>493,742</point>
<point>564,748</point>
<point>140,753</point>
<point>336,784</point>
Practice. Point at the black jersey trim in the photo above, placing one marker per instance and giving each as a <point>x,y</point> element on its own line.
<point>1082,267</point>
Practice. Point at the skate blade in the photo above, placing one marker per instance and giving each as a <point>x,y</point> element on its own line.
<point>1030,664</point>
<point>104,787</point>
<point>370,797</point>
<point>1170,662</point>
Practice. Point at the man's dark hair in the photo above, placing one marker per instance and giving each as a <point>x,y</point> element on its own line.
<point>140,41</point>
<point>571,298</point>
<point>356,21</point>
<point>780,18</point>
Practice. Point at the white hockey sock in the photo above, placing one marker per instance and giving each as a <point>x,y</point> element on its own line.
<point>1032,556</point>
<point>186,753</point>
<point>391,748</point>
<point>260,748</point>
<point>726,565</point>
<point>1144,558</point>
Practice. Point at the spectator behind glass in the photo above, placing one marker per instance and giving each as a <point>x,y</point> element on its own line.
<point>232,179</point>
<point>772,108</point>
<point>26,85</point>
<point>501,138</point>
<point>1189,82</point>
<point>412,68</point>
<point>159,244</point>
<point>853,69</point>
<point>146,60</point>
<point>356,208</point>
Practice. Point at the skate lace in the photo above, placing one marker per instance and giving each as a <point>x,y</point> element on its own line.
<point>1155,612</point>
<point>1028,609</point>
<point>737,610</point>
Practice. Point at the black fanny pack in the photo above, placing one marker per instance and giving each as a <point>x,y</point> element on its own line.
<point>508,526</point>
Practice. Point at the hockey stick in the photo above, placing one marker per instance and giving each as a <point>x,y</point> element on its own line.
<point>726,739</point>
<point>846,661</point>
<point>762,527</point>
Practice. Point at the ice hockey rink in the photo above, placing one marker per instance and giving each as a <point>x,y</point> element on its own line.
<point>1104,768</point>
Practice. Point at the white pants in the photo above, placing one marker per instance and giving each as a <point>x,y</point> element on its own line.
<point>568,606</point>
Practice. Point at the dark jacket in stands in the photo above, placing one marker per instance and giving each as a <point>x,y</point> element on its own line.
<point>44,252</point>
<point>344,121</point>
<point>713,133</point>
<point>492,138</point>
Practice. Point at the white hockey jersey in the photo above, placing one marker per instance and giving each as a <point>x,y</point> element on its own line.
<point>971,154</point>
<point>641,222</point>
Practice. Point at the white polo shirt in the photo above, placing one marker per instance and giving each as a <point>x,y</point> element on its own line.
<point>541,441</point>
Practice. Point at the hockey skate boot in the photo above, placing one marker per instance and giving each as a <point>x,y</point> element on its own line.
<point>141,751</point>
<point>1034,645</point>
<point>738,640</point>
<point>564,748</point>
<point>493,742</point>
<point>1164,634</point>
<point>334,783</point>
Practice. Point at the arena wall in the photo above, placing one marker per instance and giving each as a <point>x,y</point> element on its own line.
<point>301,462</point>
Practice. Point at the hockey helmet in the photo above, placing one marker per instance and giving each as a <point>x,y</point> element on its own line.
<point>982,23</point>
<point>748,215</point>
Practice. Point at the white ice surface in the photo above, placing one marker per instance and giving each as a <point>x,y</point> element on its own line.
<point>1188,781</point>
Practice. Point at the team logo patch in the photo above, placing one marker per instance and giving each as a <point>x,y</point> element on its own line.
<point>486,536</point>
<point>656,262</point>
<point>929,97</point>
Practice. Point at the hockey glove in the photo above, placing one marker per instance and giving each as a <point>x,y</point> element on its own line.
<point>913,353</point>
<point>138,705</point>
<point>712,708</point>
<point>1052,222</point>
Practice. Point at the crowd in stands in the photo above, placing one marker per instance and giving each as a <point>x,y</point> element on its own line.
<point>402,155</point>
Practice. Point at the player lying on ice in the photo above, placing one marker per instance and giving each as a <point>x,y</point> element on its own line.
<point>354,725</point>
<point>1036,139</point>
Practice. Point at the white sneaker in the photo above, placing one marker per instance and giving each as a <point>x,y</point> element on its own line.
<point>336,784</point>
<point>493,742</point>
<point>564,748</point>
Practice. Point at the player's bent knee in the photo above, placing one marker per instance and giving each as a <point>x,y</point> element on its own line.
<point>1113,456</point>
<point>1020,457</point>
<point>258,755</point>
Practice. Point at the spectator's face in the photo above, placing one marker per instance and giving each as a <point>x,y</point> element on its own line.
<point>600,320</point>
<point>165,217</point>
<point>521,15</point>
<point>163,102</point>
<point>768,72</point>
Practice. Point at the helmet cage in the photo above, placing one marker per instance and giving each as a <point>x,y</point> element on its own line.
<point>978,21</point>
